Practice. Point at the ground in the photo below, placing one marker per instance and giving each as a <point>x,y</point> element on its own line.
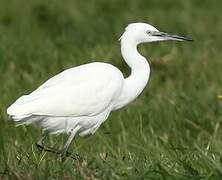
<point>172,131</point>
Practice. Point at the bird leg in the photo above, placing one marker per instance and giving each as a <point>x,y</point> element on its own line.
<point>40,142</point>
<point>64,152</point>
<point>41,146</point>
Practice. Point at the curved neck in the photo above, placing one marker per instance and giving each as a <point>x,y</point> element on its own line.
<point>140,71</point>
<point>132,57</point>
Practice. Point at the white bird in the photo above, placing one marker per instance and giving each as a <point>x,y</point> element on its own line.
<point>78,100</point>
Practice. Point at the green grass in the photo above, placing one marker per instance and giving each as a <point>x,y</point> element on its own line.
<point>172,131</point>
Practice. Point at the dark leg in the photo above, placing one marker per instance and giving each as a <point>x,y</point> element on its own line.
<point>42,147</point>
<point>64,152</point>
<point>40,142</point>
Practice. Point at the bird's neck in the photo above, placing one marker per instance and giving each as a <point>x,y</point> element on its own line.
<point>140,71</point>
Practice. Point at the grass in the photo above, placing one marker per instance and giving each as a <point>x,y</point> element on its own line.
<point>172,131</point>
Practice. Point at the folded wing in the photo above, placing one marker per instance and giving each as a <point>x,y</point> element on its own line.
<point>81,91</point>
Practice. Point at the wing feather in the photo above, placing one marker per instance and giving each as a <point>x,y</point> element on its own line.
<point>81,91</point>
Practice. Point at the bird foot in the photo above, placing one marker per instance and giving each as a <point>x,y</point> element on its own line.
<point>63,154</point>
<point>41,148</point>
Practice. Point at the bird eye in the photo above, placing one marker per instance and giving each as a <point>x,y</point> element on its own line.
<point>148,32</point>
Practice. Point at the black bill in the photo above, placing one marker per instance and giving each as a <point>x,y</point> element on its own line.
<point>172,36</point>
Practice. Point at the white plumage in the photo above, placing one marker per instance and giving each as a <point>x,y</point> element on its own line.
<point>66,100</point>
<point>79,99</point>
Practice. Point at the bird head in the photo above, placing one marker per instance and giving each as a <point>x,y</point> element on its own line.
<point>142,32</point>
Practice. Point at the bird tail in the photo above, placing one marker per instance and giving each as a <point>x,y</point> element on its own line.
<point>20,111</point>
<point>20,119</point>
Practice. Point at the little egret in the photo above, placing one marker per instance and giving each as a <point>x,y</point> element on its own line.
<point>78,100</point>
